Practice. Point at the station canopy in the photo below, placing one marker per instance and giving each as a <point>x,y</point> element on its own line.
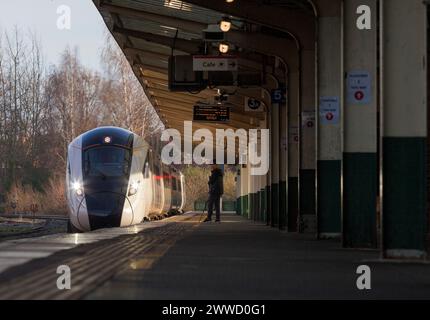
<point>150,31</point>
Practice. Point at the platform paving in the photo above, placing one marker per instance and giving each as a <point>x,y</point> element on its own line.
<point>240,259</point>
<point>182,258</point>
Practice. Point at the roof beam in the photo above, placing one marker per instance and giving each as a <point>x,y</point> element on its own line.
<point>180,44</point>
<point>300,25</point>
<point>184,24</point>
<point>157,69</point>
<point>146,53</point>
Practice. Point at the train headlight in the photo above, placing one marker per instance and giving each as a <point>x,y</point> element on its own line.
<point>133,188</point>
<point>78,188</point>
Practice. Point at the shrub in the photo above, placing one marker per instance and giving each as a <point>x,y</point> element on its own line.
<point>51,200</point>
<point>196,184</point>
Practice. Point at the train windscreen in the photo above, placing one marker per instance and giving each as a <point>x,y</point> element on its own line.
<point>107,161</point>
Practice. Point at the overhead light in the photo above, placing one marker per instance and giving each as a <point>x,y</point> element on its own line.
<point>225,25</point>
<point>229,1</point>
<point>223,47</point>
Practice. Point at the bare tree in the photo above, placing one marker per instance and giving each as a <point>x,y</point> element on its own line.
<point>123,95</point>
<point>74,98</point>
<point>42,111</point>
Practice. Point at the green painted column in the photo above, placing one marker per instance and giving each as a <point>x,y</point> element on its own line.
<point>330,77</point>
<point>293,150</point>
<point>262,182</point>
<point>262,205</point>
<point>404,122</point>
<point>249,192</point>
<point>360,129</point>
<point>273,174</point>
<point>269,176</point>
<point>307,173</point>
<point>283,165</point>
<point>274,133</point>
<point>244,190</point>
<point>238,192</point>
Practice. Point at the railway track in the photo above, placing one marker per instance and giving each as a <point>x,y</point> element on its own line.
<point>39,217</point>
<point>9,235</point>
<point>51,225</point>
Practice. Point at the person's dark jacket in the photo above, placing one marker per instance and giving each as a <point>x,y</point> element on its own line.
<point>216,184</point>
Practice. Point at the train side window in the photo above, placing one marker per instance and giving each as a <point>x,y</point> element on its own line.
<point>166,179</point>
<point>157,174</point>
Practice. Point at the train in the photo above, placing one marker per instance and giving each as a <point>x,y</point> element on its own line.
<point>116,179</point>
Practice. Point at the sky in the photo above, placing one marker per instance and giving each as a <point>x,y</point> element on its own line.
<point>87,28</point>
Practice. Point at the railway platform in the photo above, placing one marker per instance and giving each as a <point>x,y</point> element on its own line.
<point>182,258</point>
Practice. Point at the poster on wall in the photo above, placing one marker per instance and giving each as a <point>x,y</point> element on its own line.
<point>308,119</point>
<point>293,135</point>
<point>359,87</point>
<point>329,110</point>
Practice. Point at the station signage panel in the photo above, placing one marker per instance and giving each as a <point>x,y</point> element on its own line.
<point>293,135</point>
<point>279,95</point>
<point>211,113</point>
<point>359,86</point>
<point>253,105</point>
<point>308,119</point>
<point>215,63</point>
<point>329,110</point>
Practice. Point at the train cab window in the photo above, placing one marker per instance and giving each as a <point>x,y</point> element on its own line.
<point>107,162</point>
<point>179,185</point>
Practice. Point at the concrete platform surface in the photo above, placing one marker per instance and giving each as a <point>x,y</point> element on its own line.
<point>239,259</point>
<point>182,258</point>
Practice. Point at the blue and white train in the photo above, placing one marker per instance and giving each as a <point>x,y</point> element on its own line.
<point>115,179</point>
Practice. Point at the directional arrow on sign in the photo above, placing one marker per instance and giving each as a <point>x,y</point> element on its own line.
<point>359,95</point>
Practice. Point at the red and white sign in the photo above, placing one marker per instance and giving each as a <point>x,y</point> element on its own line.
<point>359,95</point>
<point>359,86</point>
<point>329,110</point>
<point>293,135</point>
<point>308,119</point>
<point>215,63</point>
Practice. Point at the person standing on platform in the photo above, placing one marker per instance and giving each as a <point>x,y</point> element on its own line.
<point>216,189</point>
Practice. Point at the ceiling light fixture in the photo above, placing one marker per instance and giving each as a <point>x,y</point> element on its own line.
<point>223,47</point>
<point>225,24</point>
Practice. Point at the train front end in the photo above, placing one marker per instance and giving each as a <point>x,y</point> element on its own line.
<point>104,175</point>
